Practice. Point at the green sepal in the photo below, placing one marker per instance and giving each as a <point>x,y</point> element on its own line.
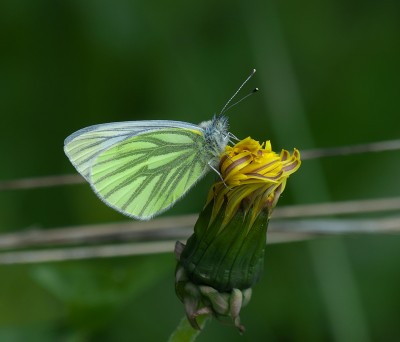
<point>249,263</point>
<point>199,241</point>
<point>229,256</point>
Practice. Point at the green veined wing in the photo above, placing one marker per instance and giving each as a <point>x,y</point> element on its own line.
<point>146,174</point>
<point>83,146</point>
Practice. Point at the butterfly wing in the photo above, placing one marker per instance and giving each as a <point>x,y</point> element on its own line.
<point>83,146</point>
<point>143,171</point>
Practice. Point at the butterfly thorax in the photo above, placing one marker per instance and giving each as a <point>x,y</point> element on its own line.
<point>216,136</point>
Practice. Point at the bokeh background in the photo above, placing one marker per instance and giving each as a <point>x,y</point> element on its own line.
<point>328,74</point>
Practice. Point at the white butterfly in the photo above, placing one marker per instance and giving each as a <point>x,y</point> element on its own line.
<point>141,168</point>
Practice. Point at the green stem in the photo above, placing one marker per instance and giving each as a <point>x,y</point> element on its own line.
<point>184,331</point>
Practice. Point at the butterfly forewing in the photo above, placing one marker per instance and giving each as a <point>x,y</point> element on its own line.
<point>145,174</point>
<point>83,146</point>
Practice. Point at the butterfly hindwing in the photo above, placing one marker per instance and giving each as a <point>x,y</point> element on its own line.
<point>145,174</point>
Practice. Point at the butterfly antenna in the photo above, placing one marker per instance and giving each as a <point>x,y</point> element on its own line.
<point>244,97</point>
<point>236,92</point>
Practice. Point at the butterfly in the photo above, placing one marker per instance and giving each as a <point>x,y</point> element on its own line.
<point>141,168</point>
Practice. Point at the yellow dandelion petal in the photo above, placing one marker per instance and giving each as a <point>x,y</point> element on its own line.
<point>252,173</point>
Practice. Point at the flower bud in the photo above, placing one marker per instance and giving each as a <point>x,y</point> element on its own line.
<point>224,257</point>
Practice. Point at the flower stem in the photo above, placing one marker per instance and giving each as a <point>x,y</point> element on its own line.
<point>185,332</point>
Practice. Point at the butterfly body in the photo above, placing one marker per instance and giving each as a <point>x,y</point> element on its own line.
<point>141,168</point>
<point>216,136</point>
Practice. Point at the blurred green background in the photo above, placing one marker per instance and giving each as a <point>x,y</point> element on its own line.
<point>328,74</point>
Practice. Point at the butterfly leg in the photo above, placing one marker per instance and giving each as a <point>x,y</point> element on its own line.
<point>218,173</point>
<point>232,137</point>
